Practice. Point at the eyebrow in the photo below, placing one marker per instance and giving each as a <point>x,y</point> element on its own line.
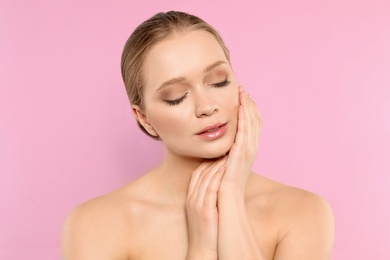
<point>171,82</point>
<point>181,79</point>
<point>212,66</point>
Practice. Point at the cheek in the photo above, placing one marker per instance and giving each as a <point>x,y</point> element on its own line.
<point>232,99</point>
<point>163,118</point>
<point>232,103</point>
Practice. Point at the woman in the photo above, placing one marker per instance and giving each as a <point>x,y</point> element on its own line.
<point>203,201</point>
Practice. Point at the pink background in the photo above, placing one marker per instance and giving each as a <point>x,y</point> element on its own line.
<point>319,71</point>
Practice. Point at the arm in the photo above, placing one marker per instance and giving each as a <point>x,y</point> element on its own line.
<point>90,232</point>
<point>311,232</point>
<point>202,213</point>
<point>236,239</point>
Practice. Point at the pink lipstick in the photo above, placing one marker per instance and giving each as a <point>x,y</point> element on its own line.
<point>212,132</point>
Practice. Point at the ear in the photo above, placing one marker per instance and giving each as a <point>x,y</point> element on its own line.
<point>143,120</point>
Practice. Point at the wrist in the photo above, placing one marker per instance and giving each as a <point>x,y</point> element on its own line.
<point>231,191</point>
<point>199,251</point>
<point>200,255</point>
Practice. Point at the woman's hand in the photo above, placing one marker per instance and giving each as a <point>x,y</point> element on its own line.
<point>245,147</point>
<point>236,239</point>
<point>202,212</point>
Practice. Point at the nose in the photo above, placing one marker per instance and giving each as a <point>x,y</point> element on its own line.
<point>205,104</point>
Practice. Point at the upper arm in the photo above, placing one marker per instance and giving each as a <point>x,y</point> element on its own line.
<point>311,232</point>
<point>91,233</point>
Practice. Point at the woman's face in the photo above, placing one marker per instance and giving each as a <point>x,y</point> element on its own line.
<point>190,88</point>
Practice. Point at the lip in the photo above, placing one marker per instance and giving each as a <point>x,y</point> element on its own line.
<point>213,132</point>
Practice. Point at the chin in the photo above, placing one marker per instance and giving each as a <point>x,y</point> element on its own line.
<point>217,153</point>
<point>208,150</point>
<point>215,157</point>
<point>220,149</point>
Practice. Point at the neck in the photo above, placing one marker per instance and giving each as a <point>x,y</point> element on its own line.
<point>175,175</point>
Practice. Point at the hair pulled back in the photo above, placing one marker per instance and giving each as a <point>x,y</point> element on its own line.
<point>145,36</point>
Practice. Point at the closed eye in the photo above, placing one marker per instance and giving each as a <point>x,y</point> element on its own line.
<point>221,84</point>
<point>176,101</point>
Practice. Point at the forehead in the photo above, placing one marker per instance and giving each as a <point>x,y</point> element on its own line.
<point>185,54</point>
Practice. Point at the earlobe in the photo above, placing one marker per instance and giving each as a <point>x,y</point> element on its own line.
<point>143,120</point>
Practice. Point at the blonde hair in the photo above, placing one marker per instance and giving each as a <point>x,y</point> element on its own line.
<point>145,36</point>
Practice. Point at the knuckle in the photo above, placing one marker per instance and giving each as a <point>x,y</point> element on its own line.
<point>198,208</point>
<point>196,173</point>
<point>193,208</point>
<point>206,215</point>
<point>190,202</point>
<point>211,190</point>
<point>203,173</point>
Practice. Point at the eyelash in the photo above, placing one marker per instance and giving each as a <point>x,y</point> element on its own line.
<point>222,84</point>
<point>177,101</point>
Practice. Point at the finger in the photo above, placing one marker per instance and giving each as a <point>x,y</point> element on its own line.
<point>241,119</point>
<point>207,174</point>
<point>204,180</point>
<point>252,126</point>
<point>242,96</point>
<point>210,200</point>
<point>195,176</point>
<point>256,120</point>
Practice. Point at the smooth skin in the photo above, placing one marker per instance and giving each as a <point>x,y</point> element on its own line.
<point>190,207</point>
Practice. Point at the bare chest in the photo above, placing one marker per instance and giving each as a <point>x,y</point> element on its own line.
<point>165,236</point>
<point>160,237</point>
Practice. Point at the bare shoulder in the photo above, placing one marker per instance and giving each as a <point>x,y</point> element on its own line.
<point>304,220</point>
<point>98,228</point>
<point>283,198</point>
<point>92,230</point>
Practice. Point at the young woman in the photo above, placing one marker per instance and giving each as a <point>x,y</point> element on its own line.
<point>203,201</point>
